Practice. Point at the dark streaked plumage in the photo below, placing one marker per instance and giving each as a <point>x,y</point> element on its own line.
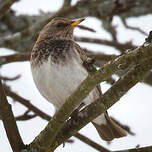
<point>59,65</point>
<point>56,49</point>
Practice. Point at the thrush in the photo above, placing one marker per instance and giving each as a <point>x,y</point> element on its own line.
<point>58,67</point>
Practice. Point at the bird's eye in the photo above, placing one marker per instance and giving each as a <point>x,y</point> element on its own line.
<point>60,25</point>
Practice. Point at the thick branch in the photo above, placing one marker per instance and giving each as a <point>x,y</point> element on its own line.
<point>4,6</point>
<point>51,130</point>
<point>9,122</point>
<point>107,100</point>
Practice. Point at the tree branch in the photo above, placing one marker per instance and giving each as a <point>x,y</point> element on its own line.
<point>133,28</point>
<point>109,98</point>
<point>91,143</point>
<point>4,78</point>
<point>143,149</point>
<point>25,116</point>
<point>17,57</point>
<point>45,116</point>
<point>5,5</point>
<point>86,28</point>
<point>9,122</point>
<point>27,37</point>
<point>24,39</point>
<point>148,78</point>
<point>26,103</point>
<point>122,47</point>
<point>56,123</point>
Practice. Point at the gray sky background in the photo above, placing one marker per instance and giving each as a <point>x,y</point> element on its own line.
<point>133,109</point>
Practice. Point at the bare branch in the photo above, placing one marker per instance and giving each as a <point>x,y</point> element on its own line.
<point>100,59</point>
<point>91,143</point>
<point>26,103</point>
<point>9,122</point>
<point>27,37</point>
<point>122,47</point>
<point>43,115</point>
<point>5,5</point>
<point>86,28</point>
<point>107,24</point>
<point>17,57</point>
<point>4,78</point>
<point>143,149</point>
<point>133,28</point>
<point>58,120</point>
<point>109,98</point>
<point>21,40</point>
<point>25,116</point>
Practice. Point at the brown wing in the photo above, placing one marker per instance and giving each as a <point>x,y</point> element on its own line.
<point>88,63</point>
<point>110,130</point>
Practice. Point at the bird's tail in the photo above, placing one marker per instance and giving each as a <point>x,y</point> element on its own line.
<point>107,128</point>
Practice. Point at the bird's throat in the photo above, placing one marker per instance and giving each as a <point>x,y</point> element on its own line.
<point>57,50</point>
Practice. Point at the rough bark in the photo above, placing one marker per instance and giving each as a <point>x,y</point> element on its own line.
<point>9,122</point>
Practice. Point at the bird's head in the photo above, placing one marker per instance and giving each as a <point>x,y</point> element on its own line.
<point>59,29</point>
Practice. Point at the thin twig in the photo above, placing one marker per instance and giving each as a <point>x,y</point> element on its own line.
<point>133,28</point>
<point>86,28</point>
<point>26,103</point>
<point>120,46</point>
<point>25,116</point>
<point>9,122</point>
<point>91,143</point>
<point>4,78</point>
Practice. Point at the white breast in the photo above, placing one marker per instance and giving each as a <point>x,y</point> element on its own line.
<point>56,82</point>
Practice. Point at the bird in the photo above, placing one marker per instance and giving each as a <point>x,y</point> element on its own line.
<point>59,65</point>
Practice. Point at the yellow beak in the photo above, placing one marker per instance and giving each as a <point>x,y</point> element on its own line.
<point>76,22</point>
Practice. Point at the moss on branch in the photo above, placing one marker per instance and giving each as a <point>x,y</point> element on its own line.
<point>89,113</point>
<point>49,133</point>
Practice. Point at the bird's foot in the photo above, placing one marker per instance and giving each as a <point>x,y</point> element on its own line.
<point>76,111</point>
